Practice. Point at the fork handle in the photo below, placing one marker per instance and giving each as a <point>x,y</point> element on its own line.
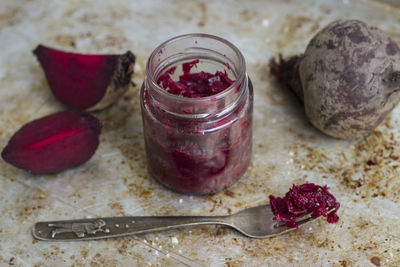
<point>108,227</point>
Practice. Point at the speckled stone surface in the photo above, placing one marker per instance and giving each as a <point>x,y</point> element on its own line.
<point>364,174</point>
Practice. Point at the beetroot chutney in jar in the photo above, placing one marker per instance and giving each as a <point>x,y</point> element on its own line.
<point>197,108</point>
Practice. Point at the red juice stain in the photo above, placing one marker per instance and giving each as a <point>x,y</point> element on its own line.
<point>303,199</point>
<point>193,85</point>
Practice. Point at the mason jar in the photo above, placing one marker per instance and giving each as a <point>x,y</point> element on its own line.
<point>197,145</point>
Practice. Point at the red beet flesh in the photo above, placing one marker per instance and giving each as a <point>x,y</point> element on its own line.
<point>86,81</point>
<point>303,199</point>
<point>194,85</point>
<point>54,143</point>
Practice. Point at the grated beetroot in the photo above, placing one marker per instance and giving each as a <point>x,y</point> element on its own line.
<point>185,159</point>
<point>194,85</point>
<point>197,156</point>
<point>302,199</point>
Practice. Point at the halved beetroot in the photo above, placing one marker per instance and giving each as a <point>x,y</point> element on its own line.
<point>90,82</point>
<point>54,143</point>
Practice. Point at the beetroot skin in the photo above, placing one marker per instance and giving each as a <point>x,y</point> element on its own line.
<point>90,82</point>
<point>54,143</point>
<point>303,199</point>
<point>348,78</point>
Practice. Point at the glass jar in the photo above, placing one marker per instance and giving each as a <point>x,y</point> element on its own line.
<point>197,145</point>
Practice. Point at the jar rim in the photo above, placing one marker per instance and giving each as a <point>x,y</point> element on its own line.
<point>239,79</point>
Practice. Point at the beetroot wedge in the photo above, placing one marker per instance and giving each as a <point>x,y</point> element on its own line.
<point>90,82</point>
<point>54,143</point>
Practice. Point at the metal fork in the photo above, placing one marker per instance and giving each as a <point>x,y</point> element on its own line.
<point>256,222</point>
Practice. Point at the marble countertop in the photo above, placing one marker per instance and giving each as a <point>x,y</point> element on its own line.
<point>287,149</point>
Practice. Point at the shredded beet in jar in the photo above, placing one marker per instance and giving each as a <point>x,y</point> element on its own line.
<point>303,199</point>
<point>199,142</point>
<point>193,85</point>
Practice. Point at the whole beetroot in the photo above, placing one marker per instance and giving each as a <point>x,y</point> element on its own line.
<point>348,78</point>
